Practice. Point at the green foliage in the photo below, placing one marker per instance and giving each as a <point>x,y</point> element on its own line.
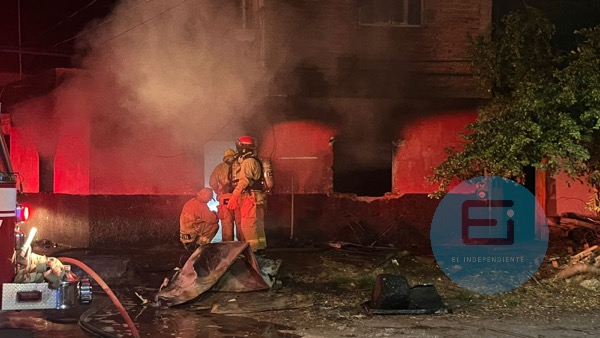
<point>544,109</point>
<point>519,51</point>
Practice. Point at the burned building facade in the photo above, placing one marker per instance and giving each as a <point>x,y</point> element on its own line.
<point>354,103</point>
<point>371,70</point>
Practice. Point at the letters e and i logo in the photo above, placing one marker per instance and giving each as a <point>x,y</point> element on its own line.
<point>489,234</point>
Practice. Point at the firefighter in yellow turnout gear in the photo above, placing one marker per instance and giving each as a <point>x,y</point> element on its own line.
<point>249,195</point>
<point>198,225</point>
<point>221,181</point>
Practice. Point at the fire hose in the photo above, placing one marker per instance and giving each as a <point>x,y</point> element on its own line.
<point>107,290</point>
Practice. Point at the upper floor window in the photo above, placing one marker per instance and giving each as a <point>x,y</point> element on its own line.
<point>390,12</point>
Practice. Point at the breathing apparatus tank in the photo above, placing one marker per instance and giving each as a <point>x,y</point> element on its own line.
<point>267,175</point>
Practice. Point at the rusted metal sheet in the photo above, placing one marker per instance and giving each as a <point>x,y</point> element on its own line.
<point>224,266</point>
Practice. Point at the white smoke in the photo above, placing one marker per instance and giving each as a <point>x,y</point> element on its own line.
<point>158,80</point>
<point>173,65</point>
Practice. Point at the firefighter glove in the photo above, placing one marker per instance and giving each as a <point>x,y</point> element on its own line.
<point>234,202</point>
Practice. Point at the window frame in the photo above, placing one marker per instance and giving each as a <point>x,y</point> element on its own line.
<point>391,23</point>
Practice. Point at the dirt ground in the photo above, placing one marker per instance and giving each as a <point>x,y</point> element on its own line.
<point>339,281</point>
<point>323,290</point>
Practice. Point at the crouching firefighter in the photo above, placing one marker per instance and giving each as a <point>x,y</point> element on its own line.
<point>250,193</point>
<point>198,225</point>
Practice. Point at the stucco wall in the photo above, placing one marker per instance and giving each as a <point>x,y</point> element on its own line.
<point>60,219</point>
<point>143,222</point>
<point>25,160</point>
<point>568,195</point>
<point>423,147</point>
<point>301,155</point>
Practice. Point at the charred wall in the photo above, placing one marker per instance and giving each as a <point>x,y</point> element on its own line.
<point>360,84</point>
<point>368,81</point>
<point>145,222</point>
<point>134,221</point>
<point>403,222</point>
<point>321,49</point>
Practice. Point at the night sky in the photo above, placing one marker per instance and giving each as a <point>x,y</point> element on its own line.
<point>47,29</point>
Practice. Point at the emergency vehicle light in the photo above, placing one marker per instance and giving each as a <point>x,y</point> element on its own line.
<point>22,213</point>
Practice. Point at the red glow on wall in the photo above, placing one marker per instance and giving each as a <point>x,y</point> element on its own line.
<point>300,151</point>
<point>423,149</point>
<point>149,166</point>
<point>72,160</point>
<point>25,160</point>
<point>571,195</point>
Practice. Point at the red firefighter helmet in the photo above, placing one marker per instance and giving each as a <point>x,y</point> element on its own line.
<point>245,143</point>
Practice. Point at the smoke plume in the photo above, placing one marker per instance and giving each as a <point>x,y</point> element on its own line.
<point>171,66</point>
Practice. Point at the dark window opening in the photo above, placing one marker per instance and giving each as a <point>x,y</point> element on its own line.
<point>364,172</point>
<point>46,174</point>
<point>390,12</point>
<point>530,179</point>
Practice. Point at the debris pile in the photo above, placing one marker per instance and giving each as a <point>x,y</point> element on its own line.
<point>578,229</point>
<point>363,234</point>
<point>586,262</point>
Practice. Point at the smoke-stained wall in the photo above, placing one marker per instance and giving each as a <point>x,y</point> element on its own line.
<point>159,80</point>
<point>162,78</point>
<point>369,81</point>
<point>320,48</point>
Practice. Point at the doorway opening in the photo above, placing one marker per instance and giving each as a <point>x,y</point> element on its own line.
<point>46,168</point>
<point>529,179</point>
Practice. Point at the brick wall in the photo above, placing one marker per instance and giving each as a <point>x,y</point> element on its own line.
<point>322,41</point>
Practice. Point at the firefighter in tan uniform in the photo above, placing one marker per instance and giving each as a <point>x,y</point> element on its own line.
<point>221,182</point>
<point>249,194</point>
<point>198,225</point>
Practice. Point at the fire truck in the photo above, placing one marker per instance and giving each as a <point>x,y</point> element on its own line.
<point>16,248</point>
